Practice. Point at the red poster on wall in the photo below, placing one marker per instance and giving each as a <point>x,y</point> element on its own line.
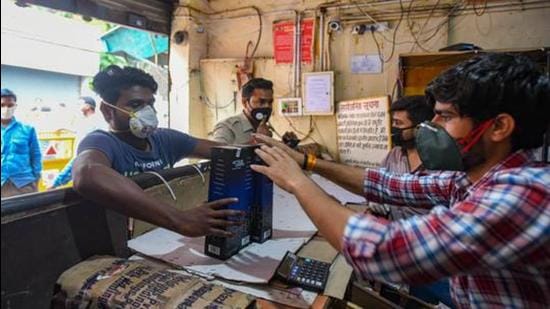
<point>283,41</point>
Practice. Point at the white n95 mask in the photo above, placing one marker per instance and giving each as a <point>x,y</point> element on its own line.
<point>143,122</point>
<point>7,112</point>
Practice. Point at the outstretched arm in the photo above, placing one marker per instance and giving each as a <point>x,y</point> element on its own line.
<point>348,177</point>
<point>97,181</point>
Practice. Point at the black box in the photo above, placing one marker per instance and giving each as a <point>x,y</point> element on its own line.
<point>261,219</point>
<point>231,176</point>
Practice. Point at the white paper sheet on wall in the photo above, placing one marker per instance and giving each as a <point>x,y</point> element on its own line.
<point>366,64</point>
<point>318,93</point>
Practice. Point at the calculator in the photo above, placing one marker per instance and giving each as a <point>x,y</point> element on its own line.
<point>307,273</point>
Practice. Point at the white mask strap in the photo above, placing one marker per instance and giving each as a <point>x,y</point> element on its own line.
<point>132,114</point>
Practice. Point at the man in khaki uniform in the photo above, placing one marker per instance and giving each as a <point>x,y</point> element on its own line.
<point>257,100</point>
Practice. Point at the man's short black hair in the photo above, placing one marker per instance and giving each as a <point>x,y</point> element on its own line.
<point>255,83</point>
<point>5,92</point>
<point>491,84</point>
<point>416,107</point>
<point>109,82</point>
<point>89,100</point>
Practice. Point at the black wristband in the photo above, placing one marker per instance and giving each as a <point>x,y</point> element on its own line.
<point>304,164</point>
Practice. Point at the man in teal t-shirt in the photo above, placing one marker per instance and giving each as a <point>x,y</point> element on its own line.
<point>21,158</point>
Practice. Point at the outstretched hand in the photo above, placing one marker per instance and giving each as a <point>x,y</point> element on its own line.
<point>281,168</point>
<point>210,219</point>
<point>295,155</point>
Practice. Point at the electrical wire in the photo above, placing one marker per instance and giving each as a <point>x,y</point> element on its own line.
<point>440,26</point>
<point>308,135</point>
<point>200,172</point>
<point>393,39</point>
<point>371,18</point>
<point>368,3</point>
<point>206,101</point>
<point>437,29</point>
<point>416,41</point>
<point>259,31</point>
<point>165,183</point>
<point>457,6</point>
<point>377,46</point>
<point>376,22</point>
<point>482,10</point>
<point>304,135</point>
<point>256,9</point>
<point>429,16</point>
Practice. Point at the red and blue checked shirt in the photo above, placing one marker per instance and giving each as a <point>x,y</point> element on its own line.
<point>492,237</point>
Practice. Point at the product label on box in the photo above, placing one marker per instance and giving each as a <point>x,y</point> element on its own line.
<point>238,164</point>
<point>213,249</point>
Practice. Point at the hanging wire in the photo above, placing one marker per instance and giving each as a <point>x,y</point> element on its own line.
<point>194,166</point>
<point>206,101</point>
<point>416,40</point>
<point>393,39</point>
<point>165,183</point>
<point>200,172</point>
<point>482,10</point>
<point>259,32</point>
<point>457,6</point>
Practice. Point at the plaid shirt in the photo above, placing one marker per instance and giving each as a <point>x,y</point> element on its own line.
<point>492,238</point>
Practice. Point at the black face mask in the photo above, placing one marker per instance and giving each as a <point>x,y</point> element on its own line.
<point>397,138</point>
<point>439,151</point>
<point>261,114</point>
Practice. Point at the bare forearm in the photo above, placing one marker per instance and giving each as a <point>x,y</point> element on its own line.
<point>106,187</point>
<point>327,214</point>
<point>203,148</point>
<point>349,177</point>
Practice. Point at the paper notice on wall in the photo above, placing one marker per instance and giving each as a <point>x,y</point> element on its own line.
<point>366,64</point>
<point>363,131</point>
<point>283,41</point>
<point>318,93</point>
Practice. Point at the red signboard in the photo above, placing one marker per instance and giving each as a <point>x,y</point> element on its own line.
<point>283,41</point>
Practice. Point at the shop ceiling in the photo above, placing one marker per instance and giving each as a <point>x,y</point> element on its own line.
<point>155,15</point>
<point>151,15</point>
